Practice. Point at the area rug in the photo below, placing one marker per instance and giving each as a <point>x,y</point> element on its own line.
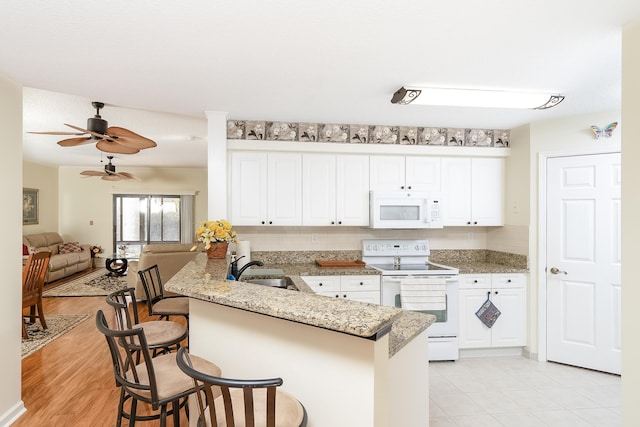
<point>57,325</point>
<point>96,283</point>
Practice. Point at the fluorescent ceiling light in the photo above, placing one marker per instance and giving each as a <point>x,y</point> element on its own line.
<point>475,98</point>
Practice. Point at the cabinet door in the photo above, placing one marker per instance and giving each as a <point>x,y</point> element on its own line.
<point>473,333</point>
<point>284,192</point>
<point>318,189</point>
<point>248,196</point>
<point>387,173</point>
<point>423,173</point>
<point>487,191</point>
<point>352,191</point>
<point>510,328</point>
<point>371,297</point>
<point>324,285</point>
<point>456,191</point>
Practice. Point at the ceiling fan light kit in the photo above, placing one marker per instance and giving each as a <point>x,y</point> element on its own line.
<point>475,98</point>
<point>112,139</point>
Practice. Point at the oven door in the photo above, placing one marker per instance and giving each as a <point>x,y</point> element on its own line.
<point>447,320</point>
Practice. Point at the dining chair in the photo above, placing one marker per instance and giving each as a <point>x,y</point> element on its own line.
<point>162,336</point>
<point>240,402</point>
<point>33,274</point>
<point>156,381</point>
<point>157,303</point>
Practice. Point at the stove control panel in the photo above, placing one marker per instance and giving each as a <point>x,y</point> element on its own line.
<point>380,247</point>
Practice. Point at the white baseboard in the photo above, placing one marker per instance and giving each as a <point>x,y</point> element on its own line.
<point>12,414</point>
<point>491,352</point>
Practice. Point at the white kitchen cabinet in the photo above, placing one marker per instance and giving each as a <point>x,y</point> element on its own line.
<point>364,288</point>
<point>335,190</point>
<point>473,191</point>
<point>266,188</point>
<point>508,294</point>
<point>394,173</point>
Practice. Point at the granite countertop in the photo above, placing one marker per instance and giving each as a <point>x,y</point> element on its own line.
<point>202,279</point>
<point>467,267</point>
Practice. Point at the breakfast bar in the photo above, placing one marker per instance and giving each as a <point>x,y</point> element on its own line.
<point>349,363</point>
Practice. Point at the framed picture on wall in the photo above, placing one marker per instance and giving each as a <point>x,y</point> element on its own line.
<point>29,206</point>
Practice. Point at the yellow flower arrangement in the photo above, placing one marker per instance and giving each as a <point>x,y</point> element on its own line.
<point>215,231</point>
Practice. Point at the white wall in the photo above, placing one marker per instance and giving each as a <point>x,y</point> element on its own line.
<point>45,179</point>
<point>82,199</point>
<point>10,252</point>
<point>630,215</point>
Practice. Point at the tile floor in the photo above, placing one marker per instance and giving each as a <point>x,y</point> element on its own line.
<point>520,392</point>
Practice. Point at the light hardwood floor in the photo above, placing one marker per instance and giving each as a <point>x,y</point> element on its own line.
<point>70,381</point>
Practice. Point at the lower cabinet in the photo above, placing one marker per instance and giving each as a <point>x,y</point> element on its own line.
<point>365,288</point>
<point>508,294</point>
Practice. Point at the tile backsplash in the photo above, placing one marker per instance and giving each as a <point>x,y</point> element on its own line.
<point>366,134</point>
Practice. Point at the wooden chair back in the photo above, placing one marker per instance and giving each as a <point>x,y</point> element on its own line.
<point>125,307</point>
<point>211,390</point>
<point>152,284</point>
<point>33,274</point>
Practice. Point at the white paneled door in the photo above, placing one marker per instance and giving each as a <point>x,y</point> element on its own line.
<point>583,261</point>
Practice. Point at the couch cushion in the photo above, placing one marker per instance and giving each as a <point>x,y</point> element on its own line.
<point>69,247</point>
<point>158,248</point>
<point>42,239</point>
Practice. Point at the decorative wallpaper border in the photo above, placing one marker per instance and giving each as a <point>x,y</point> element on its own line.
<point>366,134</point>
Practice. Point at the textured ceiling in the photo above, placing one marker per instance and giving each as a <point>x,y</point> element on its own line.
<point>158,65</point>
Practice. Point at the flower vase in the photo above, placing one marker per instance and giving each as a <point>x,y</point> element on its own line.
<point>217,250</point>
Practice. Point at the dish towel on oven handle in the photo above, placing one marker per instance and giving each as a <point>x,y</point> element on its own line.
<point>488,312</point>
<point>423,293</point>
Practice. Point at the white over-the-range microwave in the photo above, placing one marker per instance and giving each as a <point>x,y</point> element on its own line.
<point>404,209</point>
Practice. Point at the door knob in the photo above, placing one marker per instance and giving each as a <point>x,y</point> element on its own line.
<point>554,270</point>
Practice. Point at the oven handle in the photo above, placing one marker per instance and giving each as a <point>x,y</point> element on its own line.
<point>448,278</point>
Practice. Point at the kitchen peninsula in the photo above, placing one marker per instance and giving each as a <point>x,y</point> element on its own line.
<point>348,362</point>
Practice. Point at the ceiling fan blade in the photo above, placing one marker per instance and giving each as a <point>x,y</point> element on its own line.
<point>92,173</point>
<point>96,134</point>
<point>73,142</point>
<point>130,137</point>
<point>111,178</point>
<point>114,147</point>
<point>58,133</point>
<point>127,175</point>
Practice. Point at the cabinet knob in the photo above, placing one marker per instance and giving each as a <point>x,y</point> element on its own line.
<point>508,280</point>
<point>339,222</point>
<point>320,284</point>
<point>475,281</point>
<point>496,292</point>
<point>409,188</point>
<point>263,222</point>
<point>344,296</point>
<point>333,222</point>
<point>270,222</point>
<point>361,284</point>
<point>475,222</point>
<point>468,222</point>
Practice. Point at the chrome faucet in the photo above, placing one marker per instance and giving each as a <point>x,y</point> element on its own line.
<point>233,267</point>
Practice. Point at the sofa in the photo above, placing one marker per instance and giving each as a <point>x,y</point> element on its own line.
<point>67,258</point>
<point>170,258</point>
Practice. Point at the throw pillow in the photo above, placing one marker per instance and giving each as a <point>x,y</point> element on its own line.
<point>67,248</point>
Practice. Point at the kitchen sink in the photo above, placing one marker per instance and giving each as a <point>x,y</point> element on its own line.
<point>282,282</point>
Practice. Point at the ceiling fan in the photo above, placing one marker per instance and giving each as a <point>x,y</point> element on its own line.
<point>110,173</point>
<point>109,139</point>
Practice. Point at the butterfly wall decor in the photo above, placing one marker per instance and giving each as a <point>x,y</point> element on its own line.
<point>606,132</point>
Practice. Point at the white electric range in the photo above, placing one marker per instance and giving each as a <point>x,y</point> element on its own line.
<point>404,264</point>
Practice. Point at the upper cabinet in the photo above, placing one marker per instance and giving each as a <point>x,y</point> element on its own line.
<point>266,188</point>
<point>473,191</point>
<point>393,173</point>
<point>335,189</point>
